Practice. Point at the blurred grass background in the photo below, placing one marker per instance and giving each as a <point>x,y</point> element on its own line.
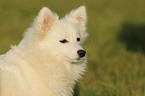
<point>115,47</point>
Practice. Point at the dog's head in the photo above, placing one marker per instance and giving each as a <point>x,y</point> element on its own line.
<point>62,38</point>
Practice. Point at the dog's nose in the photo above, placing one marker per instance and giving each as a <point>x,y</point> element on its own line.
<point>81,53</point>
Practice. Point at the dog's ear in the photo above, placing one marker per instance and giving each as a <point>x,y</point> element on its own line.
<point>80,17</point>
<point>45,20</point>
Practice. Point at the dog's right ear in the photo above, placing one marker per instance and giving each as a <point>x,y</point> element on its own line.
<point>44,20</point>
<point>79,16</point>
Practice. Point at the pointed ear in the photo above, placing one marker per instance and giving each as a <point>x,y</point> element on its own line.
<point>79,14</point>
<point>45,20</point>
<point>80,17</point>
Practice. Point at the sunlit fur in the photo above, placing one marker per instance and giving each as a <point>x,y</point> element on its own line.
<point>41,65</point>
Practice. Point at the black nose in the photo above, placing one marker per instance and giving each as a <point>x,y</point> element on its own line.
<point>81,53</point>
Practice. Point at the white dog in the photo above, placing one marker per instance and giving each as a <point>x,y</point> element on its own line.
<point>49,59</point>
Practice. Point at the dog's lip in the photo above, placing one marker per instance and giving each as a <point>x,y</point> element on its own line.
<point>74,60</point>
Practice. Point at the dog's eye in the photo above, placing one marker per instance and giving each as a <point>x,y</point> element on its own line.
<point>78,39</point>
<point>63,41</point>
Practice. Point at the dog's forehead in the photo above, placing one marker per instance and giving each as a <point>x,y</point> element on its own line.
<point>64,29</point>
<point>69,27</point>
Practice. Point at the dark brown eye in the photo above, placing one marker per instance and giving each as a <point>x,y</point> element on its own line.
<point>63,41</point>
<point>78,39</point>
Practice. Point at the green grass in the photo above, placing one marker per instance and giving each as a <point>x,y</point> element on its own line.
<point>115,47</point>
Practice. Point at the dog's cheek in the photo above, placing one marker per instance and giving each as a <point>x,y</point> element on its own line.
<point>84,37</point>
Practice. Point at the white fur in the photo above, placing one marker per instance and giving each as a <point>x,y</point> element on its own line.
<point>41,65</point>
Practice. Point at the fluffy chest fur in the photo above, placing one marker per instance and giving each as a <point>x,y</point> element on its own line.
<point>31,77</point>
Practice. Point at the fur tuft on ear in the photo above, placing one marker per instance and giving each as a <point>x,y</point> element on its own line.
<point>80,17</point>
<point>44,20</point>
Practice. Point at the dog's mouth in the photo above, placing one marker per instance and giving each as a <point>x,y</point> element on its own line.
<point>76,61</point>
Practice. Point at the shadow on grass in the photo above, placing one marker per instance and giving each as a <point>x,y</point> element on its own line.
<point>133,35</point>
<point>76,90</point>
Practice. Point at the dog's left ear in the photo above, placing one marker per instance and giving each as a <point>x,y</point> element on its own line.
<point>80,17</point>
